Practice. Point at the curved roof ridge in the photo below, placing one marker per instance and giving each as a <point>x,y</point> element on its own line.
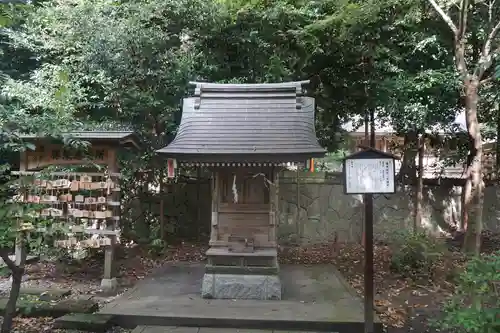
<point>223,87</point>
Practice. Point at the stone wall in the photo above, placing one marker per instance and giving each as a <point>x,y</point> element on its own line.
<point>327,213</point>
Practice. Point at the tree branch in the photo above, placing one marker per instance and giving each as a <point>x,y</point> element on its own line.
<point>489,41</point>
<point>462,23</point>
<point>458,32</point>
<point>487,55</point>
<point>491,5</point>
<point>460,39</point>
<point>4,254</point>
<point>487,80</point>
<point>444,16</point>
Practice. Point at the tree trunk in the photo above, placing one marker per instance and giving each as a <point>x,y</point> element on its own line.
<point>419,195</point>
<point>17,276</point>
<point>464,199</point>
<point>408,172</point>
<point>474,182</point>
<point>10,309</point>
<point>497,161</point>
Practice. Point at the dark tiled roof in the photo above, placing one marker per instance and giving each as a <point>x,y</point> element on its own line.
<point>246,121</point>
<point>109,135</point>
<point>122,137</point>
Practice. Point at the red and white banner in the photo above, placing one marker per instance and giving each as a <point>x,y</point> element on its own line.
<point>171,166</point>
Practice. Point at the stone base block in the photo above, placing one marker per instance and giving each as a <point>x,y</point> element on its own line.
<point>236,286</point>
<point>109,285</point>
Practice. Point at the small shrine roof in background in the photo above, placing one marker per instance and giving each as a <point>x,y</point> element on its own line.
<point>246,122</point>
<point>113,137</point>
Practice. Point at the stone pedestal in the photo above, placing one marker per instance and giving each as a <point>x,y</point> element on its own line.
<point>241,274</point>
<point>239,286</point>
<point>109,285</point>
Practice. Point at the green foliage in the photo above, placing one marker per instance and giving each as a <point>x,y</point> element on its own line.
<point>475,305</point>
<point>12,12</point>
<point>18,218</point>
<point>332,161</point>
<point>260,42</point>
<point>126,64</point>
<point>157,246</point>
<point>423,100</point>
<point>129,62</point>
<point>4,272</point>
<point>414,255</point>
<point>41,104</point>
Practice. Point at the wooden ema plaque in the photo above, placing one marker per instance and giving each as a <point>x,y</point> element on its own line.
<point>86,243</point>
<point>84,204</point>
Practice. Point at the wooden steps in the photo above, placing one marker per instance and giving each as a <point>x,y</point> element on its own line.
<point>247,270</point>
<point>259,258</point>
<point>224,252</point>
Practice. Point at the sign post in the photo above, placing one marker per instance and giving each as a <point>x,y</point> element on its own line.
<point>369,172</point>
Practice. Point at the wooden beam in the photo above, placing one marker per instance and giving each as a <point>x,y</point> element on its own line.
<point>60,173</point>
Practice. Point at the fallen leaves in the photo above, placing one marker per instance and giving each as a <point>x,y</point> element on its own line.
<point>29,325</point>
<point>400,303</point>
<point>397,298</point>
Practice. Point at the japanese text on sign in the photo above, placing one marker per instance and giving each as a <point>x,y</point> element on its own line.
<point>369,176</point>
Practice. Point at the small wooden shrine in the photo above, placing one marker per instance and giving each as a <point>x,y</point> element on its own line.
<point>84,203</point>
<point>244,134</point>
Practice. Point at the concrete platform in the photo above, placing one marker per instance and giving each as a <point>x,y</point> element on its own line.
<point>315,298</point>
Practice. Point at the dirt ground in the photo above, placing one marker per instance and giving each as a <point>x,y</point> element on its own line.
<point>402,304</point>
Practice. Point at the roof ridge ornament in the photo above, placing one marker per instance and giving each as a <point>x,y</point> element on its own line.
<point>197,95</point>
<point>299,93</point>
<point>249,87</point>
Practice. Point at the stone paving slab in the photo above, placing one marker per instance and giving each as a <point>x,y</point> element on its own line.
<point>84,322</point>
<point>315,298</point>
<point>44,293</point>
<point>176,329</point>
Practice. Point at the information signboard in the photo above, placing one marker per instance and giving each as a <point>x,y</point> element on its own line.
<point>369,175</point>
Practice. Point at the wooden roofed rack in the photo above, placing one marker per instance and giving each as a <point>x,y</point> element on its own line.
<point>81,199</point>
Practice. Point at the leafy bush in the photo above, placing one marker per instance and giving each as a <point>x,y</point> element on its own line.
<point>157,247</point>
<point>414,255</point>
<point>475,305</point>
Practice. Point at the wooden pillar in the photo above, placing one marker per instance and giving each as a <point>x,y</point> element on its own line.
<point>214,232</point>
<point>272,190</point>
<point>273,206</point>
<point>109,282</point>
<point>162,206</point>
<point>297,199</point>
<point>20,249</point>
